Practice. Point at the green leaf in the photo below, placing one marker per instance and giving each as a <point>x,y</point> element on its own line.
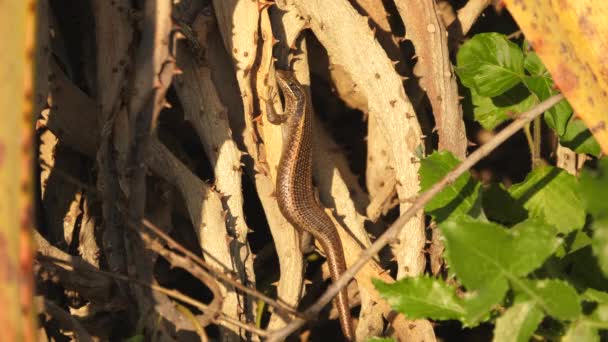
<point>593,185</point>
<point>593,295</point>
<point>599,317</point>
<point>578,240</point>
<point>492,111</point>
<point>490,64</point>
<point>580,331</point>
<point>578,138</point>
<point>557,116</point>
<point>422,297</point>
<point>584,270</point>
<point>551,194</point>
<point>482,252</point>
<point>556,297</point>
<point>572,132</point>
<point>479,303</point>
<point>425,297</point>
<point>599,244</point>
<point>534,65</point>
<point>499,206</point>
<point>461,197</point>
<point>518,323</point>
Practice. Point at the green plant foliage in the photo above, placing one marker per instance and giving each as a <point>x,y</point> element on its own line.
<point>481,252</point>
<point>461,197</point>
<point>423,297</point>
<point>518,323</point>
<point>501,207</point>
<point>593,295</point>
<point>492,111</point>
<point>593,187</point>
<point>534,65</point>
<point>557,298</point>
<point>531,259</point>
<point>486,257</point>
<point>428,297</point>
<point>542,87</point>
<point>579,139</point>
<point>490,64</point>
<point>581,331</point>
<point>505,81</point>
<point>548,190</point>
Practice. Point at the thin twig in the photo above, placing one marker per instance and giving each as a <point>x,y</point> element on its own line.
<point>218,273</point>
<point>177,260</point>
<point>195,258</point>
<point>391,232</point>
<point>171,293</point>
<point>515,35</point>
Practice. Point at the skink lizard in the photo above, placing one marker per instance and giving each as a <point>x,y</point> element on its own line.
<point>294,189</point>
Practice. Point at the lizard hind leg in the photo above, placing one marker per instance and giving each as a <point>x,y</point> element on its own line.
<point>272,115</point>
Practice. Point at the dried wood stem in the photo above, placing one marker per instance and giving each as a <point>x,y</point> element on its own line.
<point>218,273</point>
<point>169,292</point>
<point>47,250</point>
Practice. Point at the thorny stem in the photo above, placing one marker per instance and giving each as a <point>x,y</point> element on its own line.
<point>277,305</point>
<point>393,230</point>
<point>169,292</point>
<point>218,273</point>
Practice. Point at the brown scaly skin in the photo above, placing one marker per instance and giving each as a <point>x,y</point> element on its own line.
<point>294,189</point>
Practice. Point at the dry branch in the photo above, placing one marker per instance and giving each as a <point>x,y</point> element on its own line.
<point>387,102</point>
<point>204,205</point>
<point>207,114</point>
<point>433,66</point>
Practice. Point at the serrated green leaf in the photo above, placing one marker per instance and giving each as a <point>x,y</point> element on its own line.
<point>422,297</point>
<point>556,297</point>
<point>482,252</point>
<point>578,138</point>
<point>499,206</point>
<point>518,323</point>
<point>580,331</point>
<point>492,111</point>
<point>479,303</point>
<point>534,65</point>
<point>490,64</point>
<point>593,295</point>
<point>461,197</point>
<point>551,194</point>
